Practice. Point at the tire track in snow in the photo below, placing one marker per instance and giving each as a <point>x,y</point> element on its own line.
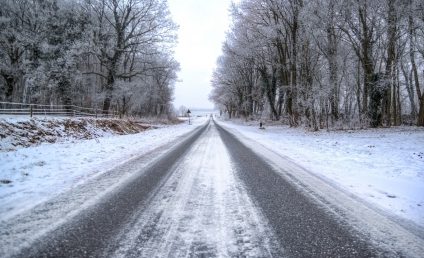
<point>201,211</point>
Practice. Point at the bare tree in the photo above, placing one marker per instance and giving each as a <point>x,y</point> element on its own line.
<point>127,26</point>
<point>308,62</point>
<point>88,52</point>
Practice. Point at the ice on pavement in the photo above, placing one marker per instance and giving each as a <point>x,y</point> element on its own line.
<point>382,166</point>
<point>39,173</point>
<point>201,211</point>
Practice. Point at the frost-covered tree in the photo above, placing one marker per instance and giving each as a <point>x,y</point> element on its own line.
<point>130,28</point>
<point>324,63</point>
<point>93,53</point>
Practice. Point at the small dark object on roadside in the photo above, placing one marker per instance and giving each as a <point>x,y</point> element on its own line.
<point>5,181</point>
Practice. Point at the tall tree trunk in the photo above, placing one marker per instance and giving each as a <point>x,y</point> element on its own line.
<point>376,97</point>
<point>10,86</point>
<point>398,120</point>
<point>389,99</point>
<point>249,100</point>
<point>411,30</point>
<point>366,42</point>
<point>368,81</point>
<point>280,102</point>
<point>332,64</point>
<point>108,91</point>
<point>334,95</point>
<point>270,90</point>
<point>294,114</point>
<point>358,91</point>
<point>410,89</point>
<point>420,121</point>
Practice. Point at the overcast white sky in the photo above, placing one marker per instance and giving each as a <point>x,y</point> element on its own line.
<point>203,24</point>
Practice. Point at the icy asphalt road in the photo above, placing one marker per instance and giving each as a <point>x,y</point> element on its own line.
<point>210,196</point>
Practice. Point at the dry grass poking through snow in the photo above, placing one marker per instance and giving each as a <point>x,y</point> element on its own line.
<point>15,133</point>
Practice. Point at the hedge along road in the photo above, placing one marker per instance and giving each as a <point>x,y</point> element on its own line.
<point>209,196</point>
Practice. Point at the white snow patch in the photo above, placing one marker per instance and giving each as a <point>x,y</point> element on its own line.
<point>385,167</point>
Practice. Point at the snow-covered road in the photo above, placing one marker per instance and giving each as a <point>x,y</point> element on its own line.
<point>202,211</point>
<point>189,203</point>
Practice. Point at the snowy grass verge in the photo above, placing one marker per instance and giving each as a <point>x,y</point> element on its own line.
<point>385,167</point>
<point>19,132</point>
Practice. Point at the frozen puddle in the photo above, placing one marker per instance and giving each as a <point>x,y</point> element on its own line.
<point>201,210</point>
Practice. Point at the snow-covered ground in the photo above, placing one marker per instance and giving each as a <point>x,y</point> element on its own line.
<point>33,175</point>
<point>382,166</point>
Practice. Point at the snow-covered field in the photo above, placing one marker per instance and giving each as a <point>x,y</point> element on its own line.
<point>385,167</point>
<point>33,175</point>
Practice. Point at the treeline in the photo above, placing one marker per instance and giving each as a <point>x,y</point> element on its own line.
<point>324,63</point>
<point>115,55</point>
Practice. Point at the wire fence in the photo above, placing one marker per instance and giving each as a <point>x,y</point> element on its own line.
<point>13,108</point>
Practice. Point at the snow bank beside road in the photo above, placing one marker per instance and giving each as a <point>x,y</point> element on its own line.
<point>32,175</point>
<point>19,132</point>
<point>383,166</point>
